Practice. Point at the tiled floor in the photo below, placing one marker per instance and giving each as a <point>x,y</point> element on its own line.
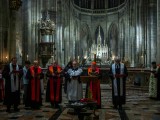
<point>138,107</point>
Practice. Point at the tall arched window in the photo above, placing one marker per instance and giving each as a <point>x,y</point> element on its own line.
<point>99,4</point>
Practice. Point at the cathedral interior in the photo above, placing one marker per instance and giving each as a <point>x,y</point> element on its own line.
<point>86,30</point>
<point>108,28</point>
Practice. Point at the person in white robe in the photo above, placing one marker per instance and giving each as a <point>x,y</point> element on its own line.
<point>74,85</point>
<point>154,82</point>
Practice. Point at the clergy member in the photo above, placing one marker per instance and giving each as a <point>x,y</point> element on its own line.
<point>35,76</point>
<point>25,82</point>
<point>94,85</point>
<point>74,85</point>
<point>54,85</point>
<point>12,76</point>
<point>118,74</point>
<point>66,76</point>
<point>154,82</point>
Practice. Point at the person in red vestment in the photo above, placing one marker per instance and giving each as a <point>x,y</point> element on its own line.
<point>1,83</point>
<point>93,87</point>
<point>54,87</point>
<point>35,76</point>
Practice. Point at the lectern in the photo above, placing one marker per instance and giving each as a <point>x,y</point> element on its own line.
<point>87,80</point>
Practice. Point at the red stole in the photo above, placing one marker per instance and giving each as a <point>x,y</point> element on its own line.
<point>95,87</point>
<point>58,84</point>
<point>35,84</point>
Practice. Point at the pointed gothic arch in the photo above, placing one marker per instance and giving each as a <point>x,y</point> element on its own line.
<point>113,40</point>
<point>85,40</point>
<point>99,29</point>
<point>76,35</point>
<point>122,39</point>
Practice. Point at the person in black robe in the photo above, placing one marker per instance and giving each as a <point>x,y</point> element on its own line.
<point>54,85</point>
<point>66,76</point>
<point>35,77</point>
<point>12,73</point>
<point>118,74</point>
<point>158,83</point>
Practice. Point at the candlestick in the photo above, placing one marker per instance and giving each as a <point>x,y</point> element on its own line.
<point>94,57</point>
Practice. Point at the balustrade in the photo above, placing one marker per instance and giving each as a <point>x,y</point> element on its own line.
<point>98,11</point>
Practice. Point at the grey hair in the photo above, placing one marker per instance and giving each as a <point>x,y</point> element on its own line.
<point>117,58</point>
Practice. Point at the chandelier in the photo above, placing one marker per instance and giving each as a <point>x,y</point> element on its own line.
<point>15,4</point>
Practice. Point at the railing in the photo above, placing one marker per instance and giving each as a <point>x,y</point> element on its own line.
<point>99,11</point>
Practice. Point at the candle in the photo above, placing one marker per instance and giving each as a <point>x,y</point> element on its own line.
<point>27,56</point>
<point>78,59</point>
<point>94,57</point>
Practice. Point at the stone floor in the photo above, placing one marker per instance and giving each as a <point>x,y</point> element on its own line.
<point>138,107</point>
